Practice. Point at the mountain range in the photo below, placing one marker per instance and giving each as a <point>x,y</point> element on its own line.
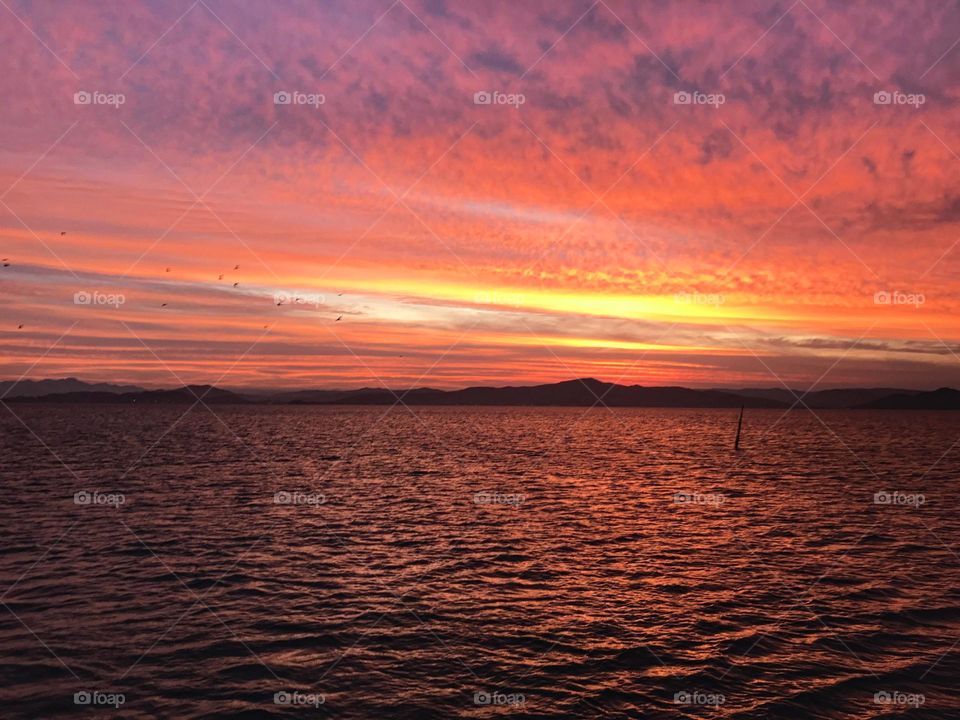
<point>36,388</point>
<point>584,392</point>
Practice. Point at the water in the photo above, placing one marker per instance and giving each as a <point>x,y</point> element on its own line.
<point>609,563</point>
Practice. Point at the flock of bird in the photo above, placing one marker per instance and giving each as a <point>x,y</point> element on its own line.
<point>296,300</point>
<point>6,264</point>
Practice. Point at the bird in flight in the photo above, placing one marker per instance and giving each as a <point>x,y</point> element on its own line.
<point>20,327</point>
<point>235,284</point>
<point>221,277</point>
<point>340,317</point>
<point>168,269</point>
<point>236,267</point>
<point>62,233</point>
<point>163,304</point>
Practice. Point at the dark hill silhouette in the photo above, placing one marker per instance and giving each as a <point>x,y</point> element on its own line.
<point>825,399</point>
<point>940,399</point>
<point>575,393</point>
<point>585,392</point>
<point>297,397</point>
<point>37,388</point>
<point>184,395</point>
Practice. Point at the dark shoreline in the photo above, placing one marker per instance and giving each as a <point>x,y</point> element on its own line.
<point>587,392</point>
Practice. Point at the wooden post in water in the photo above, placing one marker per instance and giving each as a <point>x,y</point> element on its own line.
<point>736,443</point>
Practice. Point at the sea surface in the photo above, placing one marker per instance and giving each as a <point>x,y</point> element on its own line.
<point>261,562</point>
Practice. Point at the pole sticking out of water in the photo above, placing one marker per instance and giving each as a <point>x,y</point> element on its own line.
<point>736,443</point>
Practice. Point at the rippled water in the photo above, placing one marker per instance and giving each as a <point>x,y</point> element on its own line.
<point>467,563</point>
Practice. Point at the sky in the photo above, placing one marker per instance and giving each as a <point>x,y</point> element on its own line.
<point>435,193</point>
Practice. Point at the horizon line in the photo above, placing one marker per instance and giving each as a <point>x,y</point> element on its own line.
<point>386,388</point>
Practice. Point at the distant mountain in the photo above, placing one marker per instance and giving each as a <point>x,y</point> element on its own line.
<point>576,393</point>
<point>585,392</point>
<point>185,395</point>
<point>941,399</point>
<point>36,388</point>
<point>314,396</point>
<point>825,399</point>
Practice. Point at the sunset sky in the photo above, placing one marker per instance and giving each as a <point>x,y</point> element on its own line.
<point>597,228</point>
